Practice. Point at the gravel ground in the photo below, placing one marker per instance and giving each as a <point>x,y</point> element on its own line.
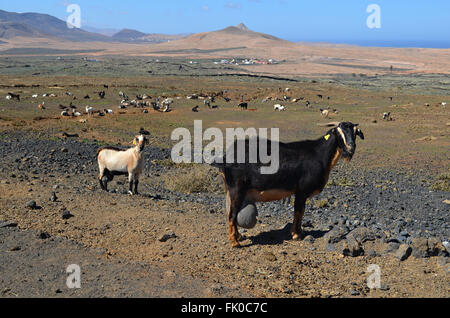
<point>35,265</point>
<point>394,207</point>
<point>396,203</point>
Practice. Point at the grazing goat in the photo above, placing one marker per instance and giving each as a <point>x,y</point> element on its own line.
<point>123,95</point>
<point>113,161</point>
<point>304,168</point>
<point>279,107</point>
<point>89,110</point>
<point>195,109</point>
<point>102,94</point>
<point>243,105</point>
<point>35,96</point>
<point>13,96</point>
<point>324,112</point>
<point>387,116</point>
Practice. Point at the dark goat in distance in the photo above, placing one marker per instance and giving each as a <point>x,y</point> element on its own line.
<point>14,96</point>
<point>243,105</point>
<point>304,168</point>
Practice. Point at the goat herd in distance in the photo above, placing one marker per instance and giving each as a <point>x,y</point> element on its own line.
<point>163,103</point>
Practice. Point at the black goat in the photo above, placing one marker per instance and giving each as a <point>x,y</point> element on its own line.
<point>304,168</point>
<point>243,105</point>
<point>102,94</point>
<point>14,96</point>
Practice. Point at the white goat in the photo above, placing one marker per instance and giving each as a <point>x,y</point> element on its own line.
<point>89,110</point>
<point>279,107</point>
<point>114,161</point>
<point>387,116</point>
<point>324,112</point>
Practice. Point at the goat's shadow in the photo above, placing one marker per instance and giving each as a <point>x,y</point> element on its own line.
<point>278,237</point>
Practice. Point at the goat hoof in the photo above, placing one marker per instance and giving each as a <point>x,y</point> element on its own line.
<point>236,245</point>
<point>130,193</point>
<point>295,237</point>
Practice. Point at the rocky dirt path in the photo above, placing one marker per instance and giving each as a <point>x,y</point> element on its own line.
<point>35,264</point>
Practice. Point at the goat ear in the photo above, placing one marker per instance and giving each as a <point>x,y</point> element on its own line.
<point>360,133</point>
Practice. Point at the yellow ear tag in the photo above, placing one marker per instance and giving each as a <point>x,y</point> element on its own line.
<point>327,137</point>
<point>134,142</point>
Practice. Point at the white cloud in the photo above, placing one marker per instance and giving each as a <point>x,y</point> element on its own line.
<point>232,5</point>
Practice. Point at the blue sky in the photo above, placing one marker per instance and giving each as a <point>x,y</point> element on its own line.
<point>403,23</point>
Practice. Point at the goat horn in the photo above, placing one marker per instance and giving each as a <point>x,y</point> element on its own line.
<point>331,124</point>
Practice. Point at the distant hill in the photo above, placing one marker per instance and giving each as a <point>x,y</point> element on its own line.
<point>242,30</point>
<point>128,35</point>
<point>37,25</point>
<point>242,27</point>
<point>9,30</point>
<point>43,25</point>
<point>232,37</point>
